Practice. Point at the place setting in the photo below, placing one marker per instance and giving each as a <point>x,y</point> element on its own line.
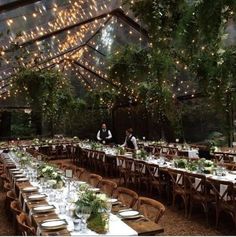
<point>36,197</point>
<point>128,214</point>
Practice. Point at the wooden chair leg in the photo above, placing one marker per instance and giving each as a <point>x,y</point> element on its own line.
<point>185,207</point>
<point>190,209</point>
<point>217,218</point>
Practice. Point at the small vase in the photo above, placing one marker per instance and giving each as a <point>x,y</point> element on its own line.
<point>99,222</point>
<point>59,184</point>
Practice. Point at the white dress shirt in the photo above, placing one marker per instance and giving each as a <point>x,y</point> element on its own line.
<point>133,140</point>
<point>109,135</point>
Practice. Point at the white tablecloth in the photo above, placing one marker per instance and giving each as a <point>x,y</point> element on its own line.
<point>116,227</point>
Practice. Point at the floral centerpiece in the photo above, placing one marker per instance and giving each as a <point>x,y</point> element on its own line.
<point>75,139</point>
<point>48,142</point>
<point>180,163</point>
<point>36,141</point>
<point>51,174</point>
<point>96,146</point>
<point>140,154</point>
<point>23,158</point>
<point>206,166</point>
<point>120,150</point>
<point>201,165</point>
<point>98,204</point>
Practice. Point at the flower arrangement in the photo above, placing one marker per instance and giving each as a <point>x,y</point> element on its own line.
<point>143,154</point>
<point>48,142</point>
<point>120,150</point>
<point>180,163</point>
<point>23,158</point>
<point>202,165</point>
<point>140,154</point>
<point>51,174</point>
<point>98,205</point>
<point>35,141</point>
<point>206,166</point>
<point>75,138</point>
<point>96,146</point>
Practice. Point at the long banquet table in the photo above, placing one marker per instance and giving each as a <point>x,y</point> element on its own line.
<point>67,195</point>
<point>164,166</point>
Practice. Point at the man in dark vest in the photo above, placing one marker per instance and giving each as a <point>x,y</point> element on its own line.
<point>130,140</point>
<point>104,135</point>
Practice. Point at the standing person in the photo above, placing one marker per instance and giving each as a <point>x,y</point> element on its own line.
<point>130,140</point>
<point>104,135</point>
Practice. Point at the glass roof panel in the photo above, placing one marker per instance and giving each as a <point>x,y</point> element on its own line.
<point>50,32</point>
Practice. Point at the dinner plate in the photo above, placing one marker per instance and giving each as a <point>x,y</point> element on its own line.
<point>22,179</point>
<point>113,200</point>
<point>80,182</point>
<point>232,172</point>
<point>29,189</point>
<point>43,208</point>
<point>19,176</point>
<point>37,197</point>
<point>54,224</point>
<point>94,190</point>
<point>17,172</point>
<point>129,214</point>
<point>10,163</point>
<point>15,169</point>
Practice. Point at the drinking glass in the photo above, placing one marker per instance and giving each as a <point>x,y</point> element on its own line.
<point>86,211</point>
<point>78,212</point>
<point>62,207</point>
<point>77,224</point>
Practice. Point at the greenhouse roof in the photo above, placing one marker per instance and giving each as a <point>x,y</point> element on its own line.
<point>75,36</point>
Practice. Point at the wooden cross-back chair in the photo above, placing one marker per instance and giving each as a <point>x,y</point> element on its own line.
<point>225,197</point>
<point>179,187</point>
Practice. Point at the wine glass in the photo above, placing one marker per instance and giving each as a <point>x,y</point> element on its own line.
<point>86,211</point>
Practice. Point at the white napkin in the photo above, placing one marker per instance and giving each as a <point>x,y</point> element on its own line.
<point>223,188</point>
<point>179,181</point>
<point>196,183</point>
<point>156,172</point>
<point>24,207</point>
<point>38,231</point>
<point>164,150</point>
<point>144,169</point>
<point>234,159</point>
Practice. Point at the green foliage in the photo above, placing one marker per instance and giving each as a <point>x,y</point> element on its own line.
<point>47,92</point>
<point>49,172</point>
<point>20,126</point>
<point>101,98</point>
<point>87,198</point>
<point>195,34</point>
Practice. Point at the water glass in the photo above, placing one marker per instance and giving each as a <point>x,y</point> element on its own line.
<point>86,211</point>
<point>51,196</point>
<point>77,224</point>
<point>62,208</point>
